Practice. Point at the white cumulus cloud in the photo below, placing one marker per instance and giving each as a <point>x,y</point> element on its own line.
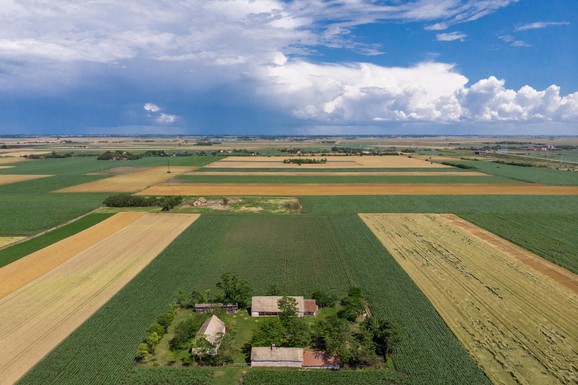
<point>451,36</point>
<point>154,112</point>
<point>151,107</point>
<point>539,25</point>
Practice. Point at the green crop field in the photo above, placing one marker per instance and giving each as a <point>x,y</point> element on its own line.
<point>199,178</point>
<point>300,255</point>
<point>318,377</point>
<point>166,376</point>
<point>330,170</point>
<point>552,236</point>
<point>31,206</point>
<point>17,251</point>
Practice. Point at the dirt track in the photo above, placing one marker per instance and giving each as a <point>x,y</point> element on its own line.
<point>203,189</point>
<point>25,270</point>
<point>518,323</point>
<point>129,182</point>
<point>36,318</point>
<point>8,179</point>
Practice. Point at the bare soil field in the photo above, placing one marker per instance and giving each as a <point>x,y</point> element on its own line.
<point>340,173</point>
<point>129,182</point>
<point>5,241</point>
<point>332,162</point>
<point>36,318</point>
<point>8,179</point>
<point>25,270</point>
<point>201,189</point>
<point>518,323</point>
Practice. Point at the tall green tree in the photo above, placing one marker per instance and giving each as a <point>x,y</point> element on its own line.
<point>235,290</point>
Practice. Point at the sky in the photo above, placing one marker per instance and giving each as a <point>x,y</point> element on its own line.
<point>293,67</point>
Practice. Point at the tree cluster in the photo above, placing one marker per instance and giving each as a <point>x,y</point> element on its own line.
<point>128,200</point>
<point>155,331</point>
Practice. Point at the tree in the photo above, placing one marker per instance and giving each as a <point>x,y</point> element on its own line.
<point>270,332</point>
<point>297,333</point>
<point>353,305</point>
<point>287,308</point>
<point>157,328</point>
<point>143,353</point>
<point>235,290</point>
<point>323,299</point>
<point>385,335</point>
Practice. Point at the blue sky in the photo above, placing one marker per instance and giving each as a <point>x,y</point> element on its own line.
<point>499,67</point>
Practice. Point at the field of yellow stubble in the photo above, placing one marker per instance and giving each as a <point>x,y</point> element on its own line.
<point>129,182</point>
<point>518,323</point>
<point>8,179</point>
<point>38,316</point>
<point>332,162</point>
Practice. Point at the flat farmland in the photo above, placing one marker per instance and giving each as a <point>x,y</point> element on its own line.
<point>5,241</point>
<point>281,189</point>
<point>129,182</point>
<point>9,160</point>
<point>517,322</point>
<point>339,173</point>
<point>38,316</point>
<point>25,270</point>
<point>8,179</point>
<point>332,162</point>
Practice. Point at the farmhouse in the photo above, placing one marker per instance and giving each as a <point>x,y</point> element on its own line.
<point>268,306</point>
<point>277,357</point>
<point>292,357</point>
<point>212,330</point>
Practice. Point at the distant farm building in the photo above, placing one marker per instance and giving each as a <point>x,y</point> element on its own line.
<point>277,357</point>
<point>292,358</point>
<point>213,307</point>
<point>268,306</point>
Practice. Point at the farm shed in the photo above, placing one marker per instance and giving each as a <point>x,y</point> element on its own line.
<point>212,307</point>
<point>319,360</point>
<point>268,306</point>
<point>277,357</point>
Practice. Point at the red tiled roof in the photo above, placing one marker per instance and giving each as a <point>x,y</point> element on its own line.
<point>310,306</point>
<point>318,360</point>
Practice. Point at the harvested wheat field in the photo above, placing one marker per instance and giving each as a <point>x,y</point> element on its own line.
<point>129,182</point>
<point>4,167</point>
<point>332,162</point>
<point>37,317</point>
<point>25,270</point>
<point>9,159</point>
<point>5,241</point>
<point>8,179</point>
<point>204,189</point>
<point>340,173</point>
<point>518,323</point>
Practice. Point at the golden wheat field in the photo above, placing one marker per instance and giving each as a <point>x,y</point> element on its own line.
<point>332,162</point>
<point>205,189</point>
<point>129,182</point>
<point>9,159</point>
<point>38,316</point>
<point>517,322</point>
<point>8,179</point>
<point>25,270</point>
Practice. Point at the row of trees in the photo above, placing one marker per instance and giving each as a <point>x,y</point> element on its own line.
<point>128,200</point>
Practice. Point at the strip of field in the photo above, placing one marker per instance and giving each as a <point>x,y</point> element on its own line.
<point>361,173</point>
<point>332,162</point>
<point>356,189</point>
<point>10,159</point>
<point>8,179</point>
<point>36,318</point>
<point>517,322</point>
<point>25,270</point>
<point>4,167</point>
<point>129,182</point>
<point>5,241</point>
<point>557,273</point>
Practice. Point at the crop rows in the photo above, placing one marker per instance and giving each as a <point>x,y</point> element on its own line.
<point>319,377</point>
<point>552,236</point>
<point>172,376</point>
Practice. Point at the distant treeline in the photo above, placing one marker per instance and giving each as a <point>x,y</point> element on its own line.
<point>127,200</point>
<point>301,161</point>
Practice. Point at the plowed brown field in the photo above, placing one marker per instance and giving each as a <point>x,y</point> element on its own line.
<point>517,322</point>
<point>37,317</point>
<point>203,189</point>
<point>332,162</point>
<point>8,179</point>
<point>129,182</point>
<point>25,270</point>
